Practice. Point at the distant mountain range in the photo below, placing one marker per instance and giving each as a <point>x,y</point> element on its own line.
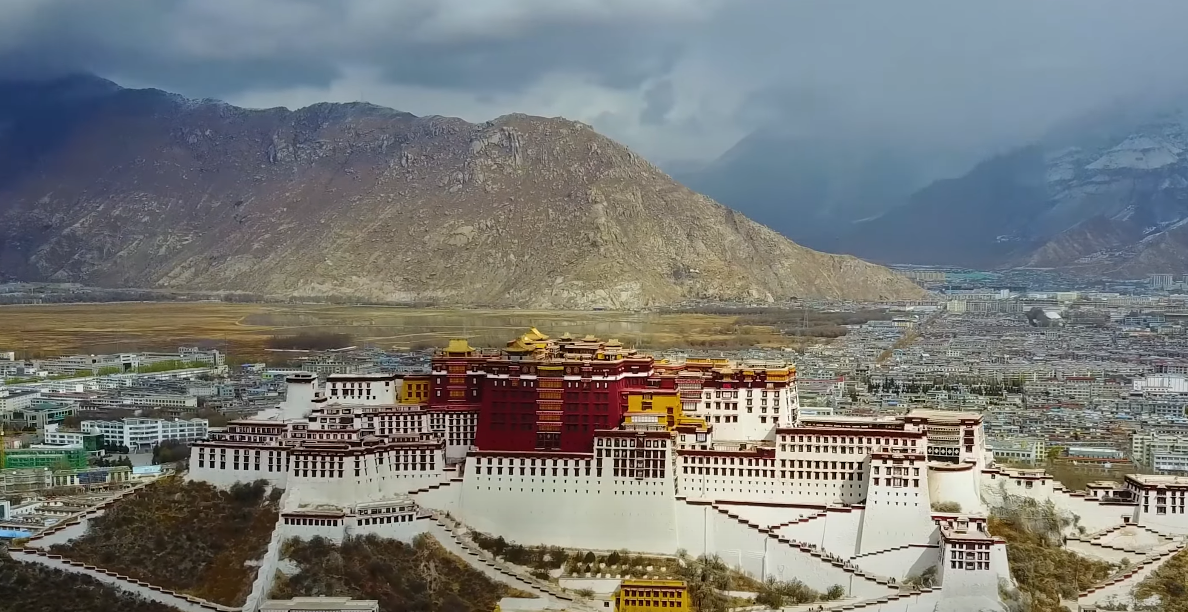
<point>1111,199</point>
<point>141,188</point>
<point>809,187</point>
<point>1106,195</point>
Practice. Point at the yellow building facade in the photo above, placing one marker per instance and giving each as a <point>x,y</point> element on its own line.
<point>657,407</point>
<point>648,595</point>
<point>414,390</point>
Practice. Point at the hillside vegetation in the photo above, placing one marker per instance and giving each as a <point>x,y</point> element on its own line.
<point>185,536</point>
<point>32,587</point>
<point>1045,572</point>
<point>1169,583</point>
<point>418,577</point>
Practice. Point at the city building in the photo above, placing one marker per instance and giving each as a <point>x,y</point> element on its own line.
<point>1165,453</point>
<point>142,433</point>
<point>89,441</point>
<point>1165,282</point>
<point>13,400</point>
<point>54,458</point>
<point>1027,451</point>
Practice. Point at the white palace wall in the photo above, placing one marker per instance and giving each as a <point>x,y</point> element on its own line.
<point>1094,515</point>
<point>811,531</point>
<point>762,556</point>
<point>837,531</point>
<point>957,484</point>
<point>900,563</point>
<point>894,517</point>
<point>338,529</point>
<point>207,471</point>
<point>589,512</point>
<point>768,515</point>
<point>1163,523</point>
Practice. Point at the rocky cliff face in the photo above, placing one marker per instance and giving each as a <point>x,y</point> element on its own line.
<point>1111,199</point>
<point>120,187</point>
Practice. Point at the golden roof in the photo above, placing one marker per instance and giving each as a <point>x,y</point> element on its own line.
<point>459,345</point>
<point>519,346</point>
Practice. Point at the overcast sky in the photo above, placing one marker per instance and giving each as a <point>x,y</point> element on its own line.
<point>674,79</point>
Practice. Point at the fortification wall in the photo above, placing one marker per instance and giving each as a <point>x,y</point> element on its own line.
<point>767,515</point>
<point>225,478</point>
<point>811,531</point>
<point>740,487</point>
<point>356,489</point>
<point>762,556</point>
<point>1094,516</point>
<point>695,527</point>
<point>956,485</point>
<point>403,531</point>
<point>445,498</point>
<point>576,512</point>
<point>900,563</point>
<point>1172,524</point>
<point>895,517</point>
<point>267,571</point>
<point>335,533</point>
<point>842,529</point>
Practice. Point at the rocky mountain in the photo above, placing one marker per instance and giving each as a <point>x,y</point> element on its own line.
<point>119,187</point>
<point>1110,198</point>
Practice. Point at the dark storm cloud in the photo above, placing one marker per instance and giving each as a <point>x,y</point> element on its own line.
<point>220,47</point>
<point>965,73</point>
<point>660,98</point>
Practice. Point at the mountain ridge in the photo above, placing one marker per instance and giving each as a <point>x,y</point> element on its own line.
<point>146,188</point>
<point>1109,200</point>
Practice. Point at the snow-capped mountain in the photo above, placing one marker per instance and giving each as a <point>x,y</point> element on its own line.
<point>1111,200</point>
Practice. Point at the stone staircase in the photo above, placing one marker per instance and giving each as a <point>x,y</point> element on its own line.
<point>768,528</point>
<point>181,601</point>
<point>901,595</point>
<point>478,555</point>
<point>434,487</point>
<point>893,548</point>
<point>1145,563</point>
<point>90,513</point>
<point>1093,539</point>
<point>813,550</point>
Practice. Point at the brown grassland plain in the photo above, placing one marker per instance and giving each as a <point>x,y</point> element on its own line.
<point>245,329</point>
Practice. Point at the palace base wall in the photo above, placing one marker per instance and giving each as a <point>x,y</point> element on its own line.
<point>351,490</point>
<point>588,513</point>
<point>757,554</point>
<point>768,515</point>
<point>900,563</point>
<point>957,485</point>
<point>896,517</point>
<point>1171,524</point>
<point>225,478</point>
<point>1094,515</point>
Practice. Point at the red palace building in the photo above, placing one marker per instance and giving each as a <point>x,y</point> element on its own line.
<point>540,393</point>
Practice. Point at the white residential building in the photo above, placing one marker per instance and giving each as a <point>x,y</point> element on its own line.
<point>1162,452</point>
<point>142,433</point>
<point>1031,451</point>
<point>12,400</point>
<point>1162,384</point>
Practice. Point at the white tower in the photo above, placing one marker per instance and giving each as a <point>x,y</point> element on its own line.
<point>300,390</point>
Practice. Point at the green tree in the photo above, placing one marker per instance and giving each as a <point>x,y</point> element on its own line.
<point>170,451</point>
<point>707,578</point>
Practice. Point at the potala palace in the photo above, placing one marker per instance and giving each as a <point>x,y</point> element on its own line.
<point>586,444</point>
